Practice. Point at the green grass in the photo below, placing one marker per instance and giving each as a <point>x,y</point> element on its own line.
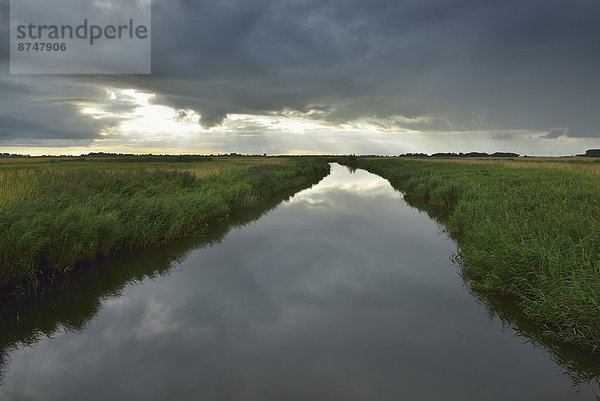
<point>530,232</point>
<point>57,216</point>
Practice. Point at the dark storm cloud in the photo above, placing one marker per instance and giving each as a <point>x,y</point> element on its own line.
<point>45,110</point>
<point>464,64</point>
<point>556,133</point>
<point>476,64</point>
<point>36,112</point>
<point>4,36</point>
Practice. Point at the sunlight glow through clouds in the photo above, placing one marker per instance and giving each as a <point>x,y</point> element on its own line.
<point>145,126</point>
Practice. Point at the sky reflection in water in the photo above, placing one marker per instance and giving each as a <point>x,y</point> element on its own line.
<point>342,293</point>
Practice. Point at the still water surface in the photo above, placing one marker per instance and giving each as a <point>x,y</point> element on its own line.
<point>343,292</point>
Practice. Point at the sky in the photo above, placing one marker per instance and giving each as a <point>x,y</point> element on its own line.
<point>324,77</point>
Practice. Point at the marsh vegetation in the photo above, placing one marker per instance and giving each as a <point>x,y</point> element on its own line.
<point>529,229</point>
<point>58,214</point>
<point>343,291</point>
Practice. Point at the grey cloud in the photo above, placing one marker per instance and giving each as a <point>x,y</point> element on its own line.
<point>36,113</point>
<point>321,109</point>
<point>556,133</point>
<point>476,64</point>
<point>211,119</point>
<point>502,136</point>
<point>467,64</point>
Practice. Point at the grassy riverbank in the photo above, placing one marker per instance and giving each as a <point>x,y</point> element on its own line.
<point>59,214</point>
<point>530,231</point>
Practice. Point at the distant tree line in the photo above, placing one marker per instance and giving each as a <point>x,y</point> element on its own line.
<point>192,157</point>
<point>136,157</point>
<point>592,153</point>
<point>470,154</point>
<point>12,155</point>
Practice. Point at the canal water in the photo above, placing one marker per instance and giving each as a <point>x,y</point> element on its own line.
<point>342,292</point>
